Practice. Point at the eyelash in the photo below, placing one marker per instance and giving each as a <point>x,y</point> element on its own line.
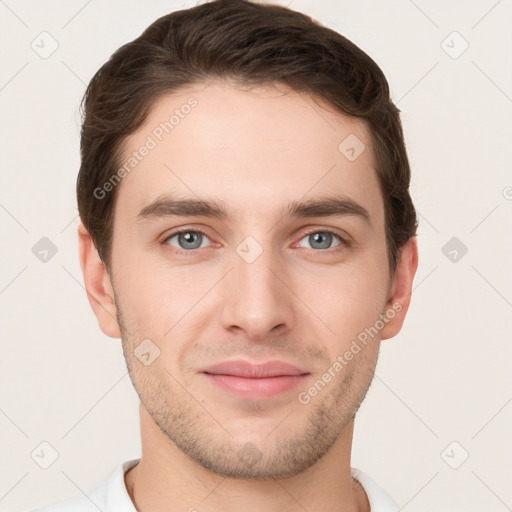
<point>343,242</point>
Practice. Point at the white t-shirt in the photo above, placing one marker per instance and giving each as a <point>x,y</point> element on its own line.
<point>112,496</point>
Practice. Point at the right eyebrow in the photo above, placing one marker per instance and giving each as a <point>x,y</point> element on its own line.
<point>167,207</point>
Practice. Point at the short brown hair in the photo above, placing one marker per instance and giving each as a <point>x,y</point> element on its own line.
<point>252,44</point>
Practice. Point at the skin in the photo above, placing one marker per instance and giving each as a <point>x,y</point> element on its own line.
<point>301,302</point>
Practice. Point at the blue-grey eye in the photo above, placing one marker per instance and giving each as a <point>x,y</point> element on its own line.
<point>188,240</point>
<point>322,239</point>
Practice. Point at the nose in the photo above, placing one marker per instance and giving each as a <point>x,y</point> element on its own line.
<point>257,300</point>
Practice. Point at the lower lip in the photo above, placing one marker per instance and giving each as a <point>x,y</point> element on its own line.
<point>256,389</point>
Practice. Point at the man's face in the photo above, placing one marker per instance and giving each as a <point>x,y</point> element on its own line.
<point>245,313</point>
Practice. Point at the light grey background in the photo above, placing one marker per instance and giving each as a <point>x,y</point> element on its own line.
<point>443,387</point>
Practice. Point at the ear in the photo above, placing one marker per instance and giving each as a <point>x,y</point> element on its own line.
<point>401,289</point>
<point>97,284</point>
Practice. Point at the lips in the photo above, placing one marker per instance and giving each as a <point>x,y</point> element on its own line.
<point>254,381</point>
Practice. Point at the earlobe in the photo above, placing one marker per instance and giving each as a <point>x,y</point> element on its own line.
<point>401,289</point>
<point>97,283</point>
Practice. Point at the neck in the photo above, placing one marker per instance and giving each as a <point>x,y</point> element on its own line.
<point>167,479</point>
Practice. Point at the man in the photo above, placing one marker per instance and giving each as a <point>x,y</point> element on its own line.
<point>249,235</point>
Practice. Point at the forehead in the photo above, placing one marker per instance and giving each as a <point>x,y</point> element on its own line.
<point>255,148</point>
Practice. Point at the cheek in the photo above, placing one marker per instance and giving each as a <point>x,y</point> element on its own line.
<point>158,300</point>
<point>347,298</point>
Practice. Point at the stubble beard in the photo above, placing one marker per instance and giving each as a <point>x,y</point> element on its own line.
<point>286,452</point>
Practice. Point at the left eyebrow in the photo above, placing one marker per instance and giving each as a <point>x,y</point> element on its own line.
<point>330,206</point>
